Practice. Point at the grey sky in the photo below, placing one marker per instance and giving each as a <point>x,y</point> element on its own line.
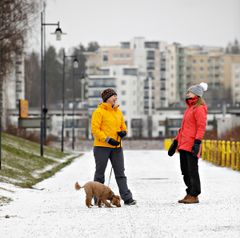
<point>204,22</point>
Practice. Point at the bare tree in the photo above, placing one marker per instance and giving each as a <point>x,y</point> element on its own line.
<point>15,16</point>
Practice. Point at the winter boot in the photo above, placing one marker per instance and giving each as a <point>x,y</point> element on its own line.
<point>130,202</point>
<point>182,200</point>
<point>191,199</point>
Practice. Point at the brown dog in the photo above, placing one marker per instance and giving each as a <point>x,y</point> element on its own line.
<point>101,192</point>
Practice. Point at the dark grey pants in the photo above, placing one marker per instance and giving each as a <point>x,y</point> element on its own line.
<point>101,155</point>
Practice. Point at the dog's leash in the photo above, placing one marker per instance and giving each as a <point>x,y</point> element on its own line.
<point>110,175</point>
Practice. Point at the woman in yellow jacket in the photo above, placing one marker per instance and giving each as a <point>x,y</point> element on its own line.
<point>108,127</point>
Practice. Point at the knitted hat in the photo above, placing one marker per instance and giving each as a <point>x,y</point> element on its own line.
<point>107,93</point>
<point>198,89</point>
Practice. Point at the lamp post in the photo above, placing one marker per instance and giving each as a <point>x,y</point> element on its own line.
<point>75,65</point>
<point>44,110</point>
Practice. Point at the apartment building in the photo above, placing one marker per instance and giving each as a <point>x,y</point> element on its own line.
<point>228,61</point>
<point>170,82</point>
<point>115,55</point>
<point>166,71</point>
<point>13,87</point>
<point>126,81</point>
<point>236,84</point>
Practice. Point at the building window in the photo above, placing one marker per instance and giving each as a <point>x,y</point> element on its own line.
<point>19,86</point>
<point>161,123</point>
<point>105,72</point>
<point>105,57</point>
<point>152,44</point>
<point>151,55</point>
<point>130,71</point>
<point>150,65</point>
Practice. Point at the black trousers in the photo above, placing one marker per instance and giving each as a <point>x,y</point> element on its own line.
<point>101,155</point>
<point>189,168</point>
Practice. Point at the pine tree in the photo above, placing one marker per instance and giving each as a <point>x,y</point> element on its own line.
<point>32,79</point>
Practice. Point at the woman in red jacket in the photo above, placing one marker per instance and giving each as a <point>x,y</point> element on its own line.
<point>188,141</point>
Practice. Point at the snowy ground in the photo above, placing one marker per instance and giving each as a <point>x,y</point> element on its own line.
<point>156,183</point>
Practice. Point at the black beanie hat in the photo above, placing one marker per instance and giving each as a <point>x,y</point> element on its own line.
<point>107,93</point>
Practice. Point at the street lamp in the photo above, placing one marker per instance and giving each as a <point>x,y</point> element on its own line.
<point>44,110</point>
<point>75,65</point>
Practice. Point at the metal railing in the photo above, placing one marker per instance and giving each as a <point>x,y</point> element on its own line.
<point>218,152</point>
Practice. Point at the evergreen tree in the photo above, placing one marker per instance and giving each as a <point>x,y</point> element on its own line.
<point>53,78</point>
<point>92,46</point>
<point>78,74</point>
<point>32,79</point>
<point>233,48</point>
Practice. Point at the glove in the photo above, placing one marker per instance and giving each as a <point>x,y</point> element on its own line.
<point>113,142</point>
<point>173,148</point>
<point>122,133</point>
<point>196,147</point>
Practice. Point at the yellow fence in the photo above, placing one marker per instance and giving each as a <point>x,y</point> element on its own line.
<point>167,143</point>
<point>221,153</point>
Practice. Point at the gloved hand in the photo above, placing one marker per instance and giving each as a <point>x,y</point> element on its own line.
<point>172,148</point>
<point>111,141</point>
<point>196,147</point>
<point>122,133</point>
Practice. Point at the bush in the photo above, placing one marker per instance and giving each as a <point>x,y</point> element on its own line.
<point>29,135</point>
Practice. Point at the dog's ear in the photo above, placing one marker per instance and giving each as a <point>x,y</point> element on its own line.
<point>116,196</point>
<point>110,194</point>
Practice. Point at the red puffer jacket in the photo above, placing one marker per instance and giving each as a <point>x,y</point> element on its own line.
<point>193,126</point>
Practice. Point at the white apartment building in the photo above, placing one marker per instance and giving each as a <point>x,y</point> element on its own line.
<point>236,83</point>
<point>13,87</point>
<point>126,81</point>
<point>96,84</point>
<point>150,58</point>
<point>171,75</point>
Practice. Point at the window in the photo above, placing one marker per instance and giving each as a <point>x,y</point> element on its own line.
<point>125,45</point>
<point>19,86</point>
<point>130,71</point>
<point>160,133</point>
<point>161,123</point>
<point>150,65</point>
<point>105,71</point>
<point>105,57</point>
<point>152,44</point>
<point>151,55</point>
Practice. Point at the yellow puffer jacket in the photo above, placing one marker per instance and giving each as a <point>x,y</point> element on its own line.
<point>106,122</point>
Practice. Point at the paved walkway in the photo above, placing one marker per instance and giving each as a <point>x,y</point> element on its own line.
<point>57,210</point>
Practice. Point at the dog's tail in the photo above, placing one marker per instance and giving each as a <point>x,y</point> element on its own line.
<point>77,186</point>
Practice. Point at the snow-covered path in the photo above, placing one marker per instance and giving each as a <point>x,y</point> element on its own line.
<point>156,183</point>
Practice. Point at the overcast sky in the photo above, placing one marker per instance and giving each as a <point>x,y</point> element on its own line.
<point>204,22</point>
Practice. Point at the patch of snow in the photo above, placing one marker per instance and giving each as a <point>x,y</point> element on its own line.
<point>156,183</point>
